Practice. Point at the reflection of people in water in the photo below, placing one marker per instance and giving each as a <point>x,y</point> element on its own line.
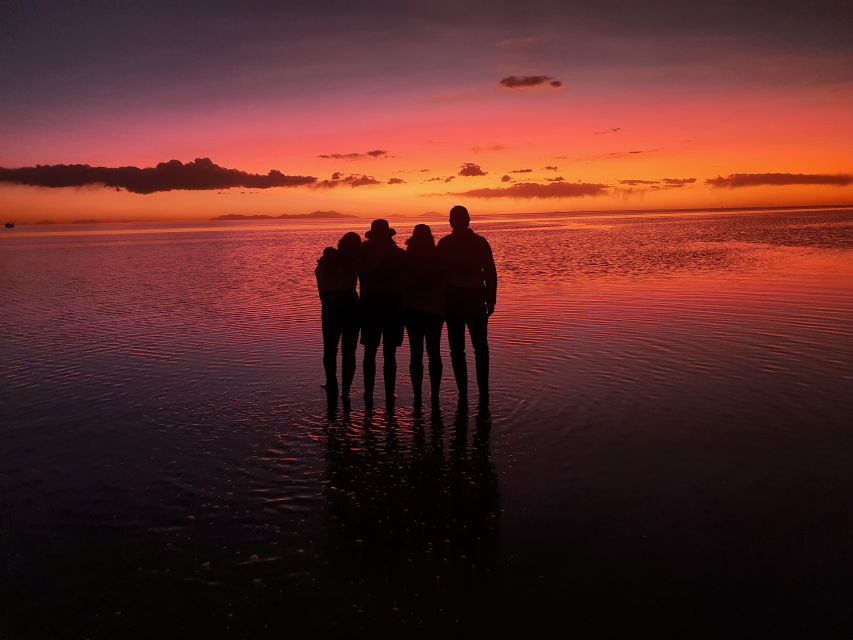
<point>472,283</point>
<point>423,310</point>
<point>336,273</point>
<point>381,277</point>
<point>413,527</point>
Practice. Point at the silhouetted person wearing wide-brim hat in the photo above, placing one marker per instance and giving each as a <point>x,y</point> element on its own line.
<point>472,283</point>
<point>381,278</point>
<point>337,273</point>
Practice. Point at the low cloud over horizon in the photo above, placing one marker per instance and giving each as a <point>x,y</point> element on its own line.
<point>198,175</point>
<point>373,153</point>
<point>660,185</point>
<point>738,180</point>
<point>530,190</point>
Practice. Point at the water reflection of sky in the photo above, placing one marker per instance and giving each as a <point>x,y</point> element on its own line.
<point>667,389</point>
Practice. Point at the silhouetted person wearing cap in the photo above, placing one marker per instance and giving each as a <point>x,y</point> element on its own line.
<point>337,273</point>
<point>423,310</point>
<point>381,276</point>
<point>472,283</point>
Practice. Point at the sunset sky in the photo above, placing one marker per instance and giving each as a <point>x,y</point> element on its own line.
<point>391,107</point>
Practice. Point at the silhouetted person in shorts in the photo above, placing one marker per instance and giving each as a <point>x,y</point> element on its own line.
<point>381,276</point>
<point>472,283</point>
<point>423,310</point>
<point>337,273</point>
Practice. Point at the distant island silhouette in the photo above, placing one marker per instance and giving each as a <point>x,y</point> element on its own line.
<point>316,215</point>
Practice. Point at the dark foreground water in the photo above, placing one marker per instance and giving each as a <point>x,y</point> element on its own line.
<point>669,448</point>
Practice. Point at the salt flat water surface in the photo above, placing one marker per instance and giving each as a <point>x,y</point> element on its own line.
<point>669,443</point>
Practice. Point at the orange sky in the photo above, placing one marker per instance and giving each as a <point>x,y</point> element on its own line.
<point>698,105</point>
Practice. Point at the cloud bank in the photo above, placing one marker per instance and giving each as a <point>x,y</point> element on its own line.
<point>738,180</point>
<point>200,174</point>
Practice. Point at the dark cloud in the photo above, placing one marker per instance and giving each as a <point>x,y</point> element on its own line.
<point>396,181</point>
<point>449,178</point>
<point>352,180</point>
<point>471,169</point>
<point>663,184</point>
<point>519,82</point>
<point>557,179</point>
<point>522,171</point>
<point>551,168</point>
<point>373,153</point>
<point>634,183</point>
<point>440,179</point>
<point>424,170</point>
<point>200,174</point>
<point>606,131</point>
<point>506,179</point>
<point>737,180</point>
<point>529,190</point>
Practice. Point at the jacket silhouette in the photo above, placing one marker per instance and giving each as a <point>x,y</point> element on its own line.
<point>471,294</point>
<point>423,310</point>
<point>336,273</point>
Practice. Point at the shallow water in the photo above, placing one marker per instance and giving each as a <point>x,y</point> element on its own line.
<point>669,442</point>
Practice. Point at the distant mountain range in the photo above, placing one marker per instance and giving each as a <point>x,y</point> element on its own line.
<point>314,215</point>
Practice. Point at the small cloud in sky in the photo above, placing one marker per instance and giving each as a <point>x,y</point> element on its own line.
<point>506,179</point>
<point>664,184</point>
<point>604,132</point>
<point>470,169</point>
<point>737,180</point>
<point>396,181</point>
<point>551,168</point>
<point>522,171</point>
<point>354,180</point>
<point>373,153</point>
<point>521,82</point>
<point>638,182</point>
<point>613,155</point>
<point>557,179</point>
<point>529,190</point>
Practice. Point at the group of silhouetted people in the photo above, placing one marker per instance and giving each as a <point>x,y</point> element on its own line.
<point>413,291</point>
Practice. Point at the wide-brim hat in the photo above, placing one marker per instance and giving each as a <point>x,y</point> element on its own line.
<point>380,229</point>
